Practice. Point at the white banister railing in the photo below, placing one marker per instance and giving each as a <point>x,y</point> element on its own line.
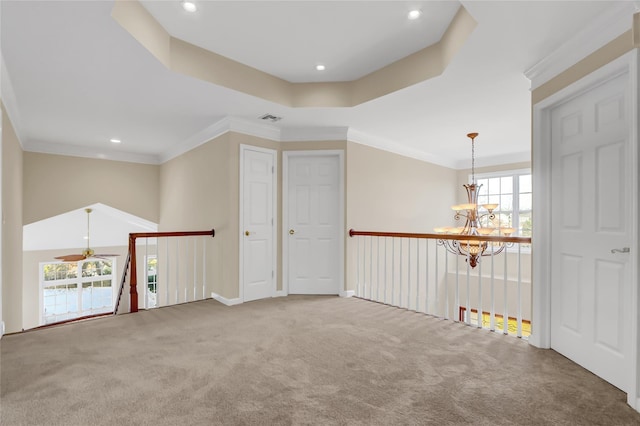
<point>416,272</point>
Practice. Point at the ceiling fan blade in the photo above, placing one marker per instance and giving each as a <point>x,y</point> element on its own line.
<point>105,256</point>
<point>71,257</point>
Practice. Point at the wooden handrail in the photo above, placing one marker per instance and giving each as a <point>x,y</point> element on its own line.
<point>133,281</point>
<point>172,234</point>
<point>495,239</point>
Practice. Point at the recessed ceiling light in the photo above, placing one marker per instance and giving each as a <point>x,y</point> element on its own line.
<point>189,6</point>
<point>113,140</point>
<point>415,14</point>
<point>320,67</point>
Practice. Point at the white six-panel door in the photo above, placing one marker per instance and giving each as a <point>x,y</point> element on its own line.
<point>313,224</point>
<point>591,230</point>
<point>257,271</point>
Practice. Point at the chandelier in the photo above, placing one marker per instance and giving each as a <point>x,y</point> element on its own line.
<point>474,215</point>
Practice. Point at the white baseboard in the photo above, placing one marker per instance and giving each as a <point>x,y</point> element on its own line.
<point>347,293</point>
<point>225,301</point>
<point>279,293</point>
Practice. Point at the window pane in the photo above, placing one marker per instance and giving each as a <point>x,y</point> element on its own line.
<point>525,202</point>
<point>525,224</point>
<point>49,273</point>
<point>72,271</point>
<point>506,203</point>
<point>506,185</point>
<point>494,186</point>
<point>525,183</point>
<point>502,220</point>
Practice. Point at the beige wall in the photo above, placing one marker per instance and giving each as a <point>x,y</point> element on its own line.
<point>11,227</point>
<point>389,192</point>
<point>56,184</point>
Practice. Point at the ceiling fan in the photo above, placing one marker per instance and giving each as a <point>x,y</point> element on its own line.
<point>86,253</point>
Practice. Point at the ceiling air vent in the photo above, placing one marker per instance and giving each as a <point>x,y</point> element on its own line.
<point>270,117</point>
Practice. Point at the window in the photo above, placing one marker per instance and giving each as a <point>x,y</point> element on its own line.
<point>512,191</point>
<point>75,289</point>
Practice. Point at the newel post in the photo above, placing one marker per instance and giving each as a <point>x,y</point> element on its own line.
<point>133,280</point>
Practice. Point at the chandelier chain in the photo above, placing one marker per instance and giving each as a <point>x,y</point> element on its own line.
<point>473,160</point>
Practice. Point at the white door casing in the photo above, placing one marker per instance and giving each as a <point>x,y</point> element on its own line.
<point>257,223</point>
<point>313,222</point>
<point>585,170</point>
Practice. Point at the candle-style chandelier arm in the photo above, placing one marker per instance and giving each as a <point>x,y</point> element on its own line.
<point>474,249</point>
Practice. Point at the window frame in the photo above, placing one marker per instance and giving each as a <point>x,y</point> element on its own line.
<point>79,280</point>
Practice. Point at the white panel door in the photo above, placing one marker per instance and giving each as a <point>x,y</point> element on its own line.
<point>591,216</point>
<point>313,228</point>
<point>257,224</point>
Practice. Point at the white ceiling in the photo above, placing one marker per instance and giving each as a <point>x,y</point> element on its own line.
<point>74,78</point>
<point>109,227</point>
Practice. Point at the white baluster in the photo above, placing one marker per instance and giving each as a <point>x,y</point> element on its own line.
<point>519,332</point>
<point>400,294</point>
<point>479,293</point>
<point>204,267</point>
<point>418,275</point>
<point>492,319</point>
<point>409,274</point>
<point>385,269</point>
<point>426,292</point>
<point>505,313</point>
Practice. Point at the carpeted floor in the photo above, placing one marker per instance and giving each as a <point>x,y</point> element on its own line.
<point>294,360</point>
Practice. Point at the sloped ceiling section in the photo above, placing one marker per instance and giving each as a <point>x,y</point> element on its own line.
<point>109,227</point>
<point>186,58</point>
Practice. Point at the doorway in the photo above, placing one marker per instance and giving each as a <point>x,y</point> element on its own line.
<point>257,222</point>
<point>313,222</point>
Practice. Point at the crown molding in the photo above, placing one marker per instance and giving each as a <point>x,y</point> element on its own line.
<point>217,129</point>
<point>384,144</point>
<point>605,28</point>
<point>88,152</point>
<point>284,135</point>
<point>260,130</point>
<point>306,134</point>
<point>8,98</point>
<point>496,160</point>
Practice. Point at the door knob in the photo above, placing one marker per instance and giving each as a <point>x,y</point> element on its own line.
<point>622,250</point>
<point>247,233</point>
<point>291,232</point>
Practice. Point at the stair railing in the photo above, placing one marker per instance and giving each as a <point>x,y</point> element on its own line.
<point>131,264</point>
